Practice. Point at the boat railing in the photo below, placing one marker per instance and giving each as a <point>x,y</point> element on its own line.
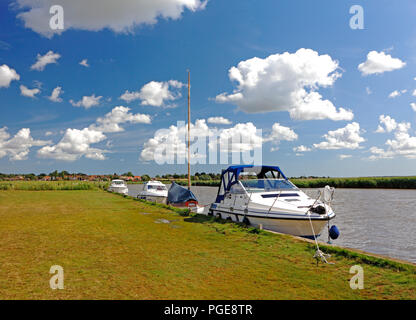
<point>277,197</point>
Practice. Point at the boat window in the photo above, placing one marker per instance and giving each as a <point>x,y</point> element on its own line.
<point>237,189</point>
<point>262,185</point>
<point>158,188</point>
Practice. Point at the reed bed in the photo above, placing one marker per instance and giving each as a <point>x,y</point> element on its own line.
<point>365,182</point>
<point>52,185</point>
<point>369,182</point>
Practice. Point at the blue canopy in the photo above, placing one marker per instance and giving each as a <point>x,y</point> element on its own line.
<point>179,194</point>
<point>229,176</point>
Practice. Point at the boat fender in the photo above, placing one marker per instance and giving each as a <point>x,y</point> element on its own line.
<point>319,209</point>
<point>334,232</point>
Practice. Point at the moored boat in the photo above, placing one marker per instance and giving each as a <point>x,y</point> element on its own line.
<point>181,197</point>
<point>154,191</point>
<point>118,186</point>
<point>262,196</point>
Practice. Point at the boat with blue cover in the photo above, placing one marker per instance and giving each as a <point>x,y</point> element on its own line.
<point>181,197</point>
<point>263,196</point>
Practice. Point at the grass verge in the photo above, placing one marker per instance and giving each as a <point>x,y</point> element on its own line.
<point>112,247</point>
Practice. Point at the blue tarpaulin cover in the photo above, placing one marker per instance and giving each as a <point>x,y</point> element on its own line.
<point>179,194</point>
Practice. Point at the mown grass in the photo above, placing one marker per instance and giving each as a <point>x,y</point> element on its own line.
<point>52,185</point>
<point>113,247</point>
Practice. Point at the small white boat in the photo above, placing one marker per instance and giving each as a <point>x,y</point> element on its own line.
<point>118,186</point>
<point>154,191</point>
<point>263,197</point>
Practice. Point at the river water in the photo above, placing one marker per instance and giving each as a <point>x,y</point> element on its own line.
<point>381,221</point>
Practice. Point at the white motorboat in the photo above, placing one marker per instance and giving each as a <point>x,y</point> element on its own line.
<point>154,191</point>
<point>118,186</point>
<point>263,197</point>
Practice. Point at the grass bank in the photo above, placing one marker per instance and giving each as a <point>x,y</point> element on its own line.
<point>113,247</point>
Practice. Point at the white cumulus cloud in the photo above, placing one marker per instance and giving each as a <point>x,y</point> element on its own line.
<point>119,115</point>
<point>344,156</point>
<point>218,120</point>
<point>280,133</point>
<point>156,94</point>
<point>87,101</point>
<point>84,63</point>
<point>75,144</point>
<point>286,82</point>
<point>240,138</point>
<point>56,93</point>
<point>173,140</point>
<point>379,62</point>
<point>18,147</point>
<point>403,144</point>
<point>387,124</point>
<point>95,15</point>
<point>413,105</point>
<point>397,93</point>
<point>30,93</point>
<point>301,148</point>
<point>78,143</point>
<point>42,61</point>
<point>7,75</point>
<point>344,138</point>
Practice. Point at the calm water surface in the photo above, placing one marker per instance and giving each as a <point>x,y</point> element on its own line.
<point>382,221</point>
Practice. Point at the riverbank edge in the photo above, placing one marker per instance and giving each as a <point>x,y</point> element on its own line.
<point>357,255</point>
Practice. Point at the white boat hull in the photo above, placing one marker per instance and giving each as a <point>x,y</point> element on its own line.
<point>195,209</point>
<point>122,190</point>
<point>297,226</point>
<point>153,198</point>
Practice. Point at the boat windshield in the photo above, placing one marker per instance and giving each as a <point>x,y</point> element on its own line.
<point>118,183</point>
<point>265,185</point>
<point>158,188</point>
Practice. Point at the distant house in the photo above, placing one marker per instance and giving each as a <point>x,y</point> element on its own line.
<point>137,178</point>
<point>46,178</point>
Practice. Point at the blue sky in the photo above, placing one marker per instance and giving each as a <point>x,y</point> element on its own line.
<point>209,40</point>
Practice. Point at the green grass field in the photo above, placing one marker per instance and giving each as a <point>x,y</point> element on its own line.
<point>113,247</point>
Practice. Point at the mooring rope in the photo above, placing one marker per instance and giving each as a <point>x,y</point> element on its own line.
<point>318,253</point>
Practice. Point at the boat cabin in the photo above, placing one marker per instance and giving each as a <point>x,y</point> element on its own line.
<point>249,178</point>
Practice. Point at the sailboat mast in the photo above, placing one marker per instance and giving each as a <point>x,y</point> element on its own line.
<point>189,130</point>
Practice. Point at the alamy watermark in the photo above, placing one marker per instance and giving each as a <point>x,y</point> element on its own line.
<point>357,280</point>
<point>357,20</point>
<point>57,280</point>
<point>208,146</point>
<point>57,21</point>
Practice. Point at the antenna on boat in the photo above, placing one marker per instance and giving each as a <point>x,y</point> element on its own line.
<point>189,130</point>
